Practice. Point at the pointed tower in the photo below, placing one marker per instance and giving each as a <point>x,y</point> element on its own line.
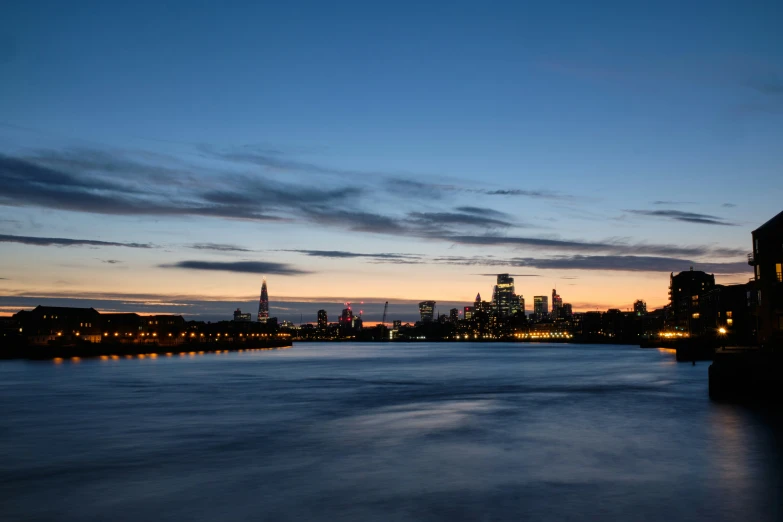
<point>263,304</point>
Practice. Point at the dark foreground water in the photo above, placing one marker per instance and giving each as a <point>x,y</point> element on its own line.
<point>383,432</point>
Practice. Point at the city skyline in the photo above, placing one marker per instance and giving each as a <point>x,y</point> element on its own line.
<point>377,164</point>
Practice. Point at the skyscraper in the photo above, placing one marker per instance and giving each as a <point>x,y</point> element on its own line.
<point>540,306</point>
<point>427,311</point>
<point>322,320</point>
<point>557,304</point>
<point>504,296</point>
<point>454,315</point>
<point>263,304</point>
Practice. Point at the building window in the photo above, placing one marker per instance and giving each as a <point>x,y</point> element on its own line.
<point>696,315</point>
<point>729,321</point>
<point>728,313</point>
<point>779,272</point>
<point>758,272</point>
<point>757,246</point>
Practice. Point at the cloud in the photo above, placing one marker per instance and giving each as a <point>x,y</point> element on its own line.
<point>246,267</point>
<point>447,219</point>
<point>688,217</point>
<point>512,275</point>
<point>253,198</point>
<point>59,241</point>
<point>218,247</point>
<point>480,211</point>
<point>275,160</point>
<point>111,261</point>
<point>664,202</point>
<point>629,264</point>
<point>342,254</point>
<point>728,205</point>
<point>614,246</point>
<point>611,263</point>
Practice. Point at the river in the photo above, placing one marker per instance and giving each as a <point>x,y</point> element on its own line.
<point>359,432</point>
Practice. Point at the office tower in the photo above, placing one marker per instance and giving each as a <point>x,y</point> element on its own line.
<point>521,305</point>
<point>504,297</point>
<point>541,306</point>
<point>396,324</point>
<point>454,315</point>
<point>557,304</point>
<point>322,320</point>
<point>426,310</point>
<point>639,308</point>
<point>263,304</point>
<point>567,312</point>
<point>468,312</point>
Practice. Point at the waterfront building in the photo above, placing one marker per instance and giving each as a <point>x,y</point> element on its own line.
<point>685,291</point>
<point>567,312</point>
<point>520,305</point>
<point>427,311</point>
<point>396,324</point>
<point>468,312</point>
<point>263,304</point>
<point>727,312</point>
<point>454,315</point>
<point>322,320</point>
<point>240,317</point>
<point>767,262</point>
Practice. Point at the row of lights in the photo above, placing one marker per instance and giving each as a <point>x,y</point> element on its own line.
<point>59,360</point>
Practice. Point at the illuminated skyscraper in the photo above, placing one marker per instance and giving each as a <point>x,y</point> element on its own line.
<point>541,306</point>
<point>427,311</point>
<point>263,304</point>
<point>504,297</point>
<point>454,315</point>
<point>557,304</point>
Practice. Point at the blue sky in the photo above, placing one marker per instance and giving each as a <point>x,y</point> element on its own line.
<point>601,134</point>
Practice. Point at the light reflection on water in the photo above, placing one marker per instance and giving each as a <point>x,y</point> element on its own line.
<point>382,432</point>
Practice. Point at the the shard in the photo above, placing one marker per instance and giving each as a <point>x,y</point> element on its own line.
<point>263,304</point>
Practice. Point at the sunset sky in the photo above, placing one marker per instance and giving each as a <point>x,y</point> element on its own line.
<point>166,158</point>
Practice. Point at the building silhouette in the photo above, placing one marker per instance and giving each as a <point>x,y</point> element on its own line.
<point>767,262</point>
<point>322,320</point>
<point>639,308</point>
<point>685,292</point>
<point>263,304</point>
<point>240,317</point>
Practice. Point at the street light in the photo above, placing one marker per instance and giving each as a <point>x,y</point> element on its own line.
<point>722,334</point>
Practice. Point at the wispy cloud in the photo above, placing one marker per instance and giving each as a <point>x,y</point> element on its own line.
<point>611,263</point>
<point>342,254</point>
<point>218,247</point>
<point>728,205</point>
<point>65,242</point>
<point>688,217</point>
<point>669,202</point>
<point>613,246</point>
<point>111,261</point>
<point>247,267</point>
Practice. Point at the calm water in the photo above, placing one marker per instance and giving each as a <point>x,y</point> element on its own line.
<point>383,432</point>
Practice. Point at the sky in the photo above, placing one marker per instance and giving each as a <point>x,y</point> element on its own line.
<point>165,158</point>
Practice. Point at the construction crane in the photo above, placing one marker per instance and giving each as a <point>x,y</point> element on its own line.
<point>385,307</point>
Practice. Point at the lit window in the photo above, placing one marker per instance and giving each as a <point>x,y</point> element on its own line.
<point>696,315</point>
<point>728,313</point>
<point>779,272</point>
<point>758,272</point>
<point>729,321</point>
